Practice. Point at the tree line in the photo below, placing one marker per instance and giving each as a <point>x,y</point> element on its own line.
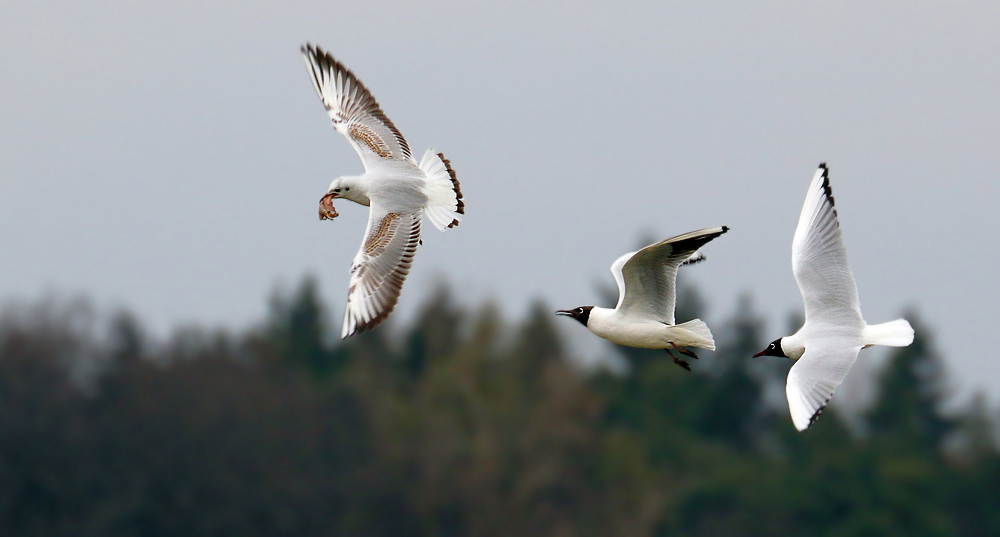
<point>463,423</point>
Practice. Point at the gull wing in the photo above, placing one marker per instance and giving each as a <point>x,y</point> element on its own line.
<point>819,259</point>
<point>354,112</point>
<point>380,268</point>
<point>814,378</point>
<point>646,278</point>
<point>616,271</point>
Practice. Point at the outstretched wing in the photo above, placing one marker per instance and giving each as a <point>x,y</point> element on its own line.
<point>814,378</point>
<point>380,268</point>
<point>646,279</point>
<point>354,112</point>
<point>819,259</point>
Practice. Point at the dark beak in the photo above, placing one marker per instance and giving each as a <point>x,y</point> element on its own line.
<point>761,353</point>
<point>565,312</point>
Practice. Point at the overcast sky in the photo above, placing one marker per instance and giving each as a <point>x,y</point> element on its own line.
<point>169,157</point>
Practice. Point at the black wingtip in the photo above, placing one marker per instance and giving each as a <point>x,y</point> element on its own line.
<point>817,414</point>
<point>725,229</point>
<point>826,178</point>
<point>827,189</point>
<point>310,49</point>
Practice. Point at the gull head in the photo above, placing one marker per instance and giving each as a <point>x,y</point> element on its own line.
<point>340,188</point>
<point>581,314</point>
<point>773,349</point>
<point>349,188</point>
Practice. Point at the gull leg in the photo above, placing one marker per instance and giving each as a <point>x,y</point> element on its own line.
<point>681,363</point>
<point>685,352</point>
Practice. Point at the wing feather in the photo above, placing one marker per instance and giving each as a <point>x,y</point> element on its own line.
<point>616,271</point>
<point>353,110</point>
<point>819,259</point>
<point>814,377</point>
<point>647,278</point>
<point>380,268</point>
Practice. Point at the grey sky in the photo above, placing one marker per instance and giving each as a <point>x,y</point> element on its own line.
<point>170,157</point>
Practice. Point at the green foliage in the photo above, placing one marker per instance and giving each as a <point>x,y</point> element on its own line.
<point>908,414</point>
<point>461,424</point>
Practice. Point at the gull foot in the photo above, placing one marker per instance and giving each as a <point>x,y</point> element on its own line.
<point>685,352</point>
<point>681,363</point>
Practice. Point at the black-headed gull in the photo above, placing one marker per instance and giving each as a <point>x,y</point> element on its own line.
<point>397,189</point>
<point>827,345</point>
<point>644,316</point>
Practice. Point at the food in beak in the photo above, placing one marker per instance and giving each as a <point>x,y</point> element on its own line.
<point>326,209</point>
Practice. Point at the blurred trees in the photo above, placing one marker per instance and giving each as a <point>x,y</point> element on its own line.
<point>461,424</point>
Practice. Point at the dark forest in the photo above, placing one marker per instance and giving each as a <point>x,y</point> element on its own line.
<point>463,423</point>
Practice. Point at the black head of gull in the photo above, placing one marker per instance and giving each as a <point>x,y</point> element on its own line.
<point>581,314</point>
<point>773,349</point>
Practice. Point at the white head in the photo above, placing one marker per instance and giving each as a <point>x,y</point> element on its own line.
<point>348,188</point>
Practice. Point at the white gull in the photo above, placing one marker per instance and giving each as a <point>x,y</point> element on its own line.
<point>827,345</point>
<point>644,316</point>
<point>398,190</point>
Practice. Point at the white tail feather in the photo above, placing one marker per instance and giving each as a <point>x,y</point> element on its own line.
<point>896,333</point>
<point>700,333</point>
<point>444,195</point>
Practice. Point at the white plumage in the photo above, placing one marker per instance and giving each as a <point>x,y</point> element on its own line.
<point>644,315</point>
<point>834,331</point>
<point>398,190</point>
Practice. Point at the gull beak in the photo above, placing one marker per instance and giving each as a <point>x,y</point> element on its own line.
<point>326,209</point>
<point>761,353</point>
<point>565,312</point>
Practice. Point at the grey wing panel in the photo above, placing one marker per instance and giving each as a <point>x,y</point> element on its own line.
<point>650,275</point>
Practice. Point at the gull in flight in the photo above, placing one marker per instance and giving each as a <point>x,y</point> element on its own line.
<point>827,345</point>
<point>644,316</point>
<point>397,189</point>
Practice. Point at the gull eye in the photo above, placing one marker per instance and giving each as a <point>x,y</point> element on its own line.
<point>579,310</point>
<point>347,189</point>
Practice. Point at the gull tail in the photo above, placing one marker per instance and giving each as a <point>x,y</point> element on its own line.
<point>699,333</point>
<point>444,195</point>
<point>896,333</point>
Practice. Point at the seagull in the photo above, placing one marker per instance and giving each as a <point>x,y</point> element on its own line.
<point>827,345</point>
<point>397,190</point>
<point>644,316</point>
